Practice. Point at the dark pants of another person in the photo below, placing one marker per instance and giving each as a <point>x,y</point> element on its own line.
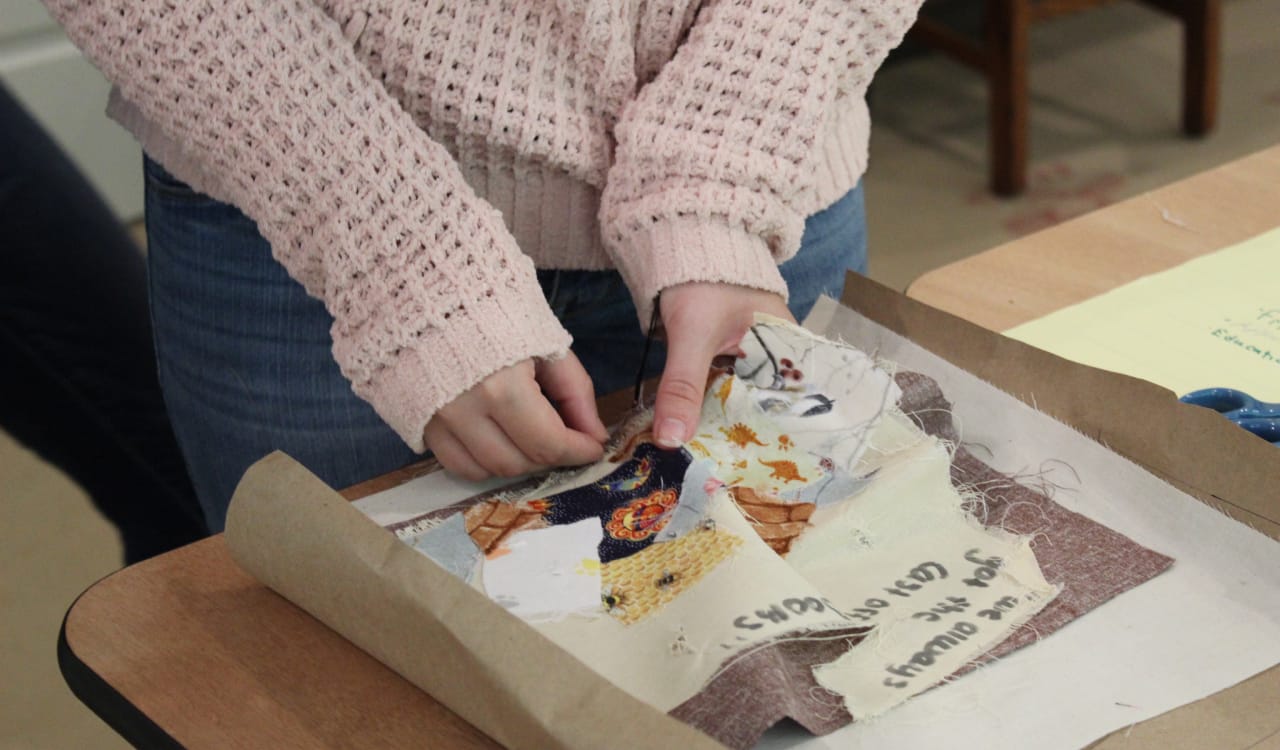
<point>77,366</point>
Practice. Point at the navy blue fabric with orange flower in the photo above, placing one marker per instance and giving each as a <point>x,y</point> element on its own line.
<point>633,503</point>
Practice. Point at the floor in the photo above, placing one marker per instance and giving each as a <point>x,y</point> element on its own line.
<point>1104,127</point>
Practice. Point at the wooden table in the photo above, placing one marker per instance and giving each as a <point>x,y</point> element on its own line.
<point>188,650</point>
<point>1069,263</point>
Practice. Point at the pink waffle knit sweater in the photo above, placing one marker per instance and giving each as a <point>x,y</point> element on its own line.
<point>412,161</point>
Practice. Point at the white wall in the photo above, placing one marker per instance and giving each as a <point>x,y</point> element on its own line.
<point>67,95</point>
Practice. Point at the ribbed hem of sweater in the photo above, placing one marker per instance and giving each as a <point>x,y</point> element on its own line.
<point>496,332</point>
<point>553,216</point>
<point>843,153</point>
<point>685,250</point>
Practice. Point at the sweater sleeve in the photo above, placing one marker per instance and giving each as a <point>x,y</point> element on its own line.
<point>718,157</point>
<point>428,290</point>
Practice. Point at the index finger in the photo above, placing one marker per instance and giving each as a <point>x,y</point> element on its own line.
<point>536,429</point>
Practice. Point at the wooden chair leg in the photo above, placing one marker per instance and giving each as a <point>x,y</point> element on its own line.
<point>1007,25</point>
<point>1201,64</point>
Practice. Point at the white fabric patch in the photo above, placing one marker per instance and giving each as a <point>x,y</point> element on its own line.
<point>547,574</point>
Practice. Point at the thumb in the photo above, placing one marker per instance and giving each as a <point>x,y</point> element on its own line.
<point>683,384</point>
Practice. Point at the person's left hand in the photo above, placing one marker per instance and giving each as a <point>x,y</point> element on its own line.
<point>702,321</point>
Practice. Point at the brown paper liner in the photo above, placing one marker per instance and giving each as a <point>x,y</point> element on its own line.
<point>302,539</point>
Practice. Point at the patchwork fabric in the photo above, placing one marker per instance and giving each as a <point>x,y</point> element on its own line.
<point>545,574</point>
<point>633,502</point>
<point>1089,562</point>
<point>739,575</point>
<point>769,684</point>
<point>449,545</point>
<point>777,522</point>
<point>640,584</point>
<point>492,521</point>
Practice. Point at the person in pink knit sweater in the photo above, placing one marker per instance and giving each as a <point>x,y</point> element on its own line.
<point>458,188</point>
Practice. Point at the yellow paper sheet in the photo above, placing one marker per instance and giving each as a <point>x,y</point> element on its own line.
<point>1211,322</point>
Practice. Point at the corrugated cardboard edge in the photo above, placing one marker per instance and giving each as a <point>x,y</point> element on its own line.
<point>1193,449</point>
<point>302,539</point>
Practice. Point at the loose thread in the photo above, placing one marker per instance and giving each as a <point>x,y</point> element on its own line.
<point>638,398</point>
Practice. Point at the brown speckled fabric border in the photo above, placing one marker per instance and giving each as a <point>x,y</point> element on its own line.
<point>1090,562</point>
<point>770,684</point>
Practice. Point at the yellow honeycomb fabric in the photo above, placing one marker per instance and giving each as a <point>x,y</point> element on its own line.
<point>636,586</point>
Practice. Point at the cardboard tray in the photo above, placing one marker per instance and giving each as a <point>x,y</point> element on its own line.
<point>517,687</point>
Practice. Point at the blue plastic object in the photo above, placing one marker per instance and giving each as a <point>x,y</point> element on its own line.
<point>1259,417</point>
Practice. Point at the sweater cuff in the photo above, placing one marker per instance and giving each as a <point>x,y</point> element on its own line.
<point>497,331</point>
<point>689,249</point>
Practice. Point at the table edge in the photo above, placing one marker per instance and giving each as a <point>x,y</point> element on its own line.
<point>107,703</point>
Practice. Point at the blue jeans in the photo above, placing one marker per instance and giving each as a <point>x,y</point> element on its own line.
<point>244,354</point>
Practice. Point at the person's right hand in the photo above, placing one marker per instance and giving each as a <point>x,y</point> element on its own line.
<point>506,424</point>
<point>701,321</point>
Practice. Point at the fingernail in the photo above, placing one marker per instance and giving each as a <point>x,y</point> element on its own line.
<point>671,433</point>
